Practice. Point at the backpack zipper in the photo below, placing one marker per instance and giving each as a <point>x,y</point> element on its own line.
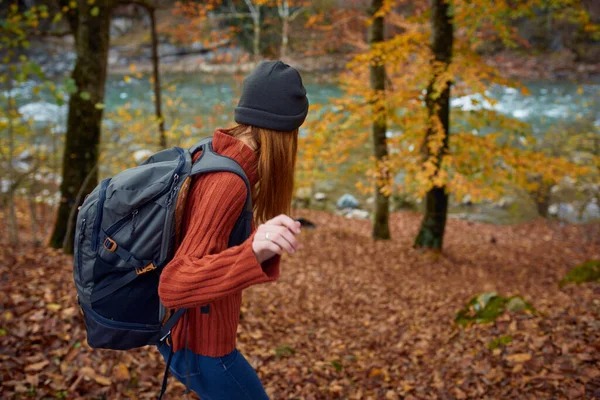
<point>98,220</point>
<point>135,212</point>
<point>81,237</point>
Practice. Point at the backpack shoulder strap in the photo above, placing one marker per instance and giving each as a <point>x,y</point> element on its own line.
<point>210,161</point>
<point>194,149</point>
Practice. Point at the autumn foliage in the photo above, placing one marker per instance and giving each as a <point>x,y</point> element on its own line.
<point>349,318</point>
<point>489,152</point>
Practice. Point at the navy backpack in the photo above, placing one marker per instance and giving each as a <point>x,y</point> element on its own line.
<point>127,231</point>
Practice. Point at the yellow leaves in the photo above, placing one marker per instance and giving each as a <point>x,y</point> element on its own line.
<point>53,307</point>
<point>127,78</point>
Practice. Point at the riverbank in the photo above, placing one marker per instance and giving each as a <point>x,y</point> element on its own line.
<point>57,57</point>
<point>552,67</point>
<point>349,318</point>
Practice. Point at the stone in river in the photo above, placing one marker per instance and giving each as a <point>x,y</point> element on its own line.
<point>347,201</point>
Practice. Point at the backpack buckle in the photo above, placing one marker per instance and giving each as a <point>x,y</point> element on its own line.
<point>110,245</point>
<point>147,268</point>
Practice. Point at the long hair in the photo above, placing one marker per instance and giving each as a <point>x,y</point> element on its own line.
<point>276,153</point>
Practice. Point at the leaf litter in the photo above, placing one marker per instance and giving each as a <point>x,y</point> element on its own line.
<point>349,318</point>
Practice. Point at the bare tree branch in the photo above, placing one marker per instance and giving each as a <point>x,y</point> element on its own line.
<point>50,33</point>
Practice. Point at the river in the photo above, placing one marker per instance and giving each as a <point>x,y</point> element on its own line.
<point>550,104</point>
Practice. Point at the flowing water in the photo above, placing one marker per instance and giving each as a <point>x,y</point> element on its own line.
<point>550,104</point>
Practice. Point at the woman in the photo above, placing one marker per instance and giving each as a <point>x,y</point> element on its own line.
<point>204,271</point>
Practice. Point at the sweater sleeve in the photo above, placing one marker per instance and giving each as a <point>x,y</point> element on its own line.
<point>203,268</point>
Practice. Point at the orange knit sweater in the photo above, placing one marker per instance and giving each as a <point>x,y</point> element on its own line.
<point>203,270</point>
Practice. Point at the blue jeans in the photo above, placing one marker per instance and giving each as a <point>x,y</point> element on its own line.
<point>216,378</point>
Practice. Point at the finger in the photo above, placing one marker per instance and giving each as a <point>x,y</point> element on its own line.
<point>286,221</point>
<point>280,241</point>
<point>277,232</point>
<point>273,247</point>
<point>287,235</point>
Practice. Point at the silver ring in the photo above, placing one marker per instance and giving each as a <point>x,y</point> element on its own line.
<point>267,236</point>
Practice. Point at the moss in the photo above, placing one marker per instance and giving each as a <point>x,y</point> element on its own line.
<point>501,341</point>
<point>284,351</point>
<point>589,271</point>
<point>487,307</point>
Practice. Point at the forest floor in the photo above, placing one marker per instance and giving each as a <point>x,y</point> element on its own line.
<point>349,318</point>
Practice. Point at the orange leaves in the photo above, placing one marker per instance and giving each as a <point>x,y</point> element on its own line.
<point>194,25</point>
<point>121,372</point>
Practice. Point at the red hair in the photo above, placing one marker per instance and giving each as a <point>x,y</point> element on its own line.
<point>276,153</point>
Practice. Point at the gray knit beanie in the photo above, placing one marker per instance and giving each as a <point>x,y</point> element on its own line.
<point>273,97</point>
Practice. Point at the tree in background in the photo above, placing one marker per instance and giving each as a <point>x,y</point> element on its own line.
<point>437,101</point>
<point>288,10</point>
<point>91,28</point>
<point>252,9</point>
<point>27,156</point>
<point>484,158</point>
<point>381,228</point>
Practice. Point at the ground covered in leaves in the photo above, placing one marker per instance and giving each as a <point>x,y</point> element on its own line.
<point>349,318</point>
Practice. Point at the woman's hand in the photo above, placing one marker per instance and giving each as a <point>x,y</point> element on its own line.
<point>274,237</point>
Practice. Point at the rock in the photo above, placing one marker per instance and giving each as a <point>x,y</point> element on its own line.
<point>304,193</point>
<point>357,214</point>
<point>347,201</point>
<point>320,196</point>
<point>571,212</point>
<point>302,197</point>
<point>591,212</point>
<point>565,211</point>
<point>371,200</point>
<point>325,186</point>
<point>516,304</point>
<point>42,111</point>
<point>505,202</point>
<point>466,200</point>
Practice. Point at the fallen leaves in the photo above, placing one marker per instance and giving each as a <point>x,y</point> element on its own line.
<point>519,357</point>
<point>121,372</point>
<point>37,366</point>
<point>349,318</point>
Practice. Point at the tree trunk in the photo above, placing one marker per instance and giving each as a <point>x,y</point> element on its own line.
<point>285,28</point>
<point>541,197</point>
<point>381,228</point>
<point>156,75</point>
<point>85,119</point>
<point>256,41</point>
<point>13,224</point>
<point>34,219</point>
<point>431,233</point>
